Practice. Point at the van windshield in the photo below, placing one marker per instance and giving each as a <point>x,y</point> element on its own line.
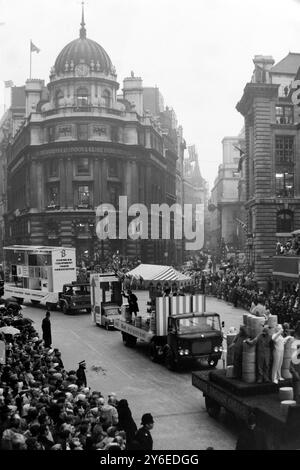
<point>205,323</point>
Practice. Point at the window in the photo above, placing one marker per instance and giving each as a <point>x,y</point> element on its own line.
<point>106,98</point>
<point>285,184</point>
<point>284,115</point>
<point>53,169</point>
<point>114,195</point>
<point>84,196</point>
<point>285,221</point>
<point>82,132</point>
<point>113,168</point>
<point>82,97</point>
<point>83,166</point>
<point>284,149</point>
<point>53,195</point>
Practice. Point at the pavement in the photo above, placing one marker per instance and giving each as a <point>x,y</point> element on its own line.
<point>181,420</point>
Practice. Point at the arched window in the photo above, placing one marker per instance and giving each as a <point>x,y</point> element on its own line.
<point>82,97</point>
<point>285,221</point>
<point>106,98</point>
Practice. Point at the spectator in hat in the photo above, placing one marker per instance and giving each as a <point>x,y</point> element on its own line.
<point>143,439</point>
<point>80,373</point>
<point>46,327</point>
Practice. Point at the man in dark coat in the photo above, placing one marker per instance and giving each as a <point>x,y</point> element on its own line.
<point>46,327</point>
<point>80,373</point>
<point>143,439</point>
<point>132,302</point>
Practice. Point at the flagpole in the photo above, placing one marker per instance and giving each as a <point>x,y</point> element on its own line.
<point>30,61</point>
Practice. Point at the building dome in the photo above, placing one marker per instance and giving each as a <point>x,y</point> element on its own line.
<point>83,50</point>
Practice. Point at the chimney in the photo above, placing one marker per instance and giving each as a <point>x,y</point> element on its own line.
<point>133,92</point>
<point>33,91</point>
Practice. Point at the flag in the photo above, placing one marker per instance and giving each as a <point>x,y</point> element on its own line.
<point>243,225</point>
<point>8,84</point>
<point>33,48</point>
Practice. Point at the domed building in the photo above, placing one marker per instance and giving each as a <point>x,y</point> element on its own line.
<point>82,145</point>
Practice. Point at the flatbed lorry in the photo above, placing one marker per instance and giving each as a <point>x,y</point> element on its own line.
<point>174,337</point>
<point>282,432</point>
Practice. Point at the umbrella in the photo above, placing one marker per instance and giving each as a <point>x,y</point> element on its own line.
<point>9,330</point>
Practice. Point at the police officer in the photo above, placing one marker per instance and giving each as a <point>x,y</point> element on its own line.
<point>143,439</point>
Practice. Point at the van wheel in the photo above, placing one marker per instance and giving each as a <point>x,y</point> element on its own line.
<point>213,408</point>
<point>153,353</point>
<point>170,361</point>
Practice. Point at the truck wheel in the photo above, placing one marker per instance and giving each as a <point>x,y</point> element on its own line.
<point>212,362</point>
<point>65,309</point>
<point>153,353</point>
<point>213,408</point>
<point>35,302</point>
<point>170,362</point>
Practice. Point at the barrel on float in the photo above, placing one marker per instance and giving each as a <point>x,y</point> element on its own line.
<point>284,406</point>
<point>272,321</point>
<point>287,356</point>
<point>286,393</point>
<point>249,364</point>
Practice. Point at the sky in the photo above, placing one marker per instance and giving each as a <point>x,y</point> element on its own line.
<point>198,52</point>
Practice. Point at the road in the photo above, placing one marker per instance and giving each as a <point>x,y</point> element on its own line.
<point>181,421</point>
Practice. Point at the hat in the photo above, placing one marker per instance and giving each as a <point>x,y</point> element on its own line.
<point>73,387</point>
<point>81,397</point>
<point>82,363</point>
<point>147,418</point>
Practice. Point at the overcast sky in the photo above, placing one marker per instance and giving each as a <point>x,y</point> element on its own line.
<point>198,52</point>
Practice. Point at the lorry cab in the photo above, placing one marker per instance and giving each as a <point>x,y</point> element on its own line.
<point>194,336</point>
<point>75,296</point>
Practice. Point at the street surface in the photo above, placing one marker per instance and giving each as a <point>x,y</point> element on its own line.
<point>181,420</point>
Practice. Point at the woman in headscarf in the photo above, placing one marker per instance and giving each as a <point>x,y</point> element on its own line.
<point>126,422</point>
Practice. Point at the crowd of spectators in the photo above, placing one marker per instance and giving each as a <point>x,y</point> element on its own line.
<point>45,407</point>
<point>290,247</point>
<point>240,288</point>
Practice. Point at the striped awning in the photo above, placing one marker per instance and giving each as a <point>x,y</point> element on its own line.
<point>154,272</point>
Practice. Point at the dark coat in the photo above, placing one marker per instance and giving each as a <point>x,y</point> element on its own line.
<point>126,422</point>
<point>81,377</point>
<point>46,327</point>
<point>143,439</point>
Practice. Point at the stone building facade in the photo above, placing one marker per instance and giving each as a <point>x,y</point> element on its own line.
<point>226,205</point>
<point>272,159</point>
<point>82,145</point>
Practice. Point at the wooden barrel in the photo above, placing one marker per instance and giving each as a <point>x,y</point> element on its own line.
<point>284,406</point>
<point>138,322</point>
<point>272,321</point>
<point>258,323</point>
<point>229,356</point>
<point>286,393</point>
<point>153,323</point>
<point>287,355</point>
<point>128,315</point>
<point>249,364</point>
<point>229,371</point>
<point>245,319</point>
